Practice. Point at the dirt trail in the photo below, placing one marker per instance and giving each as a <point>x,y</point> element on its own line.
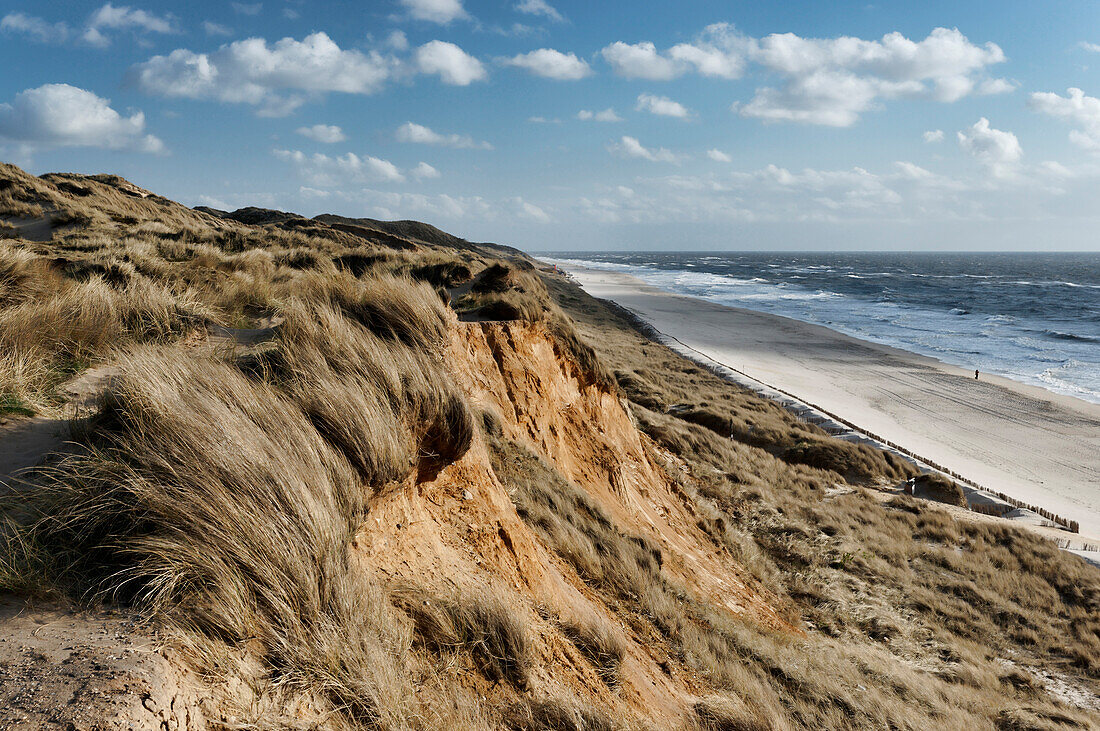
<point>25,443</point>
<point>28,442</point>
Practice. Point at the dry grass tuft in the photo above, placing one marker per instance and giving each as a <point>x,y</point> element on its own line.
<point>483,624</point>
<point>937,487</point>
<point>558,714</point>
<point>716,713</point>
<point>601,643</point>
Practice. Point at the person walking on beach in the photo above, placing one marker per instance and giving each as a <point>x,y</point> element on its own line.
<point>975,374</point>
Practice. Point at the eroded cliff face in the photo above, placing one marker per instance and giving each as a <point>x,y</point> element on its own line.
<point>461,530</point>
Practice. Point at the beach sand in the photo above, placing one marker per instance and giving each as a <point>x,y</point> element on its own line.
<point>1031,444</point>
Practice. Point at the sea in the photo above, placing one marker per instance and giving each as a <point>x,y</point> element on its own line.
<point>1031,317</point>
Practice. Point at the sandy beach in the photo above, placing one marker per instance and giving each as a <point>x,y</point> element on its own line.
<point>1034,445</point>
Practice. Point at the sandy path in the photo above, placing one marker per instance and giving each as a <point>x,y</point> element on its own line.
<point>1031,444</point>
<point>25,442</point>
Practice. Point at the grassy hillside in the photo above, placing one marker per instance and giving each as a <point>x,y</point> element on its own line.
<point>366,474</point>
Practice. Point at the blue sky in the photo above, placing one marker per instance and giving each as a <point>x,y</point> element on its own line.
<point>555,125</point>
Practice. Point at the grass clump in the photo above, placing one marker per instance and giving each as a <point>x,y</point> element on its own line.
<point>934,486</point>
<point>601,643</point>
<point>484,625</point>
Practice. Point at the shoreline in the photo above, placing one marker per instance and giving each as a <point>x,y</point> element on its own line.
<point>1034,445</point>
<point>942,358</point>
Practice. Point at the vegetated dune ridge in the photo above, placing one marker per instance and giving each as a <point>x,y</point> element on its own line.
<point>358,474</point>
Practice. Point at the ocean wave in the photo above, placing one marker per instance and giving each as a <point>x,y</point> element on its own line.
<point>1059,335</point>
<point>1002,320</point>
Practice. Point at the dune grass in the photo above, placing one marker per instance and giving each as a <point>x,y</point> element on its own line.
<point>219,490</point>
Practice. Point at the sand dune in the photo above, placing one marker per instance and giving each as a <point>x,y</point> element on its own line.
<point>1031,444</point>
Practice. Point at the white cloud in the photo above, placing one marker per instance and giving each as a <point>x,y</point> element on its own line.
<point>276,79</point>
<point>662,106</point>
<point>543,120</point>
<point>526,209</point>
<point>247,8</point>
<point>423,171</point>
<point>539,7</point>
<point>36,28</point>
<point>1091,47</point>
<point>551,64</point>
<point>397,40</point>
<point>933,135</point>
<point>327,133</point>
<point>59,115</point>
<point>833,81</point>
<point>607,115</point>
<point>421,135</point>
<point>913,172</point>
<point>719,156</point>
<point>1077,109</point>
<point>453,65</point>
<point>631,147</point>
<point>96,31</point>
<point>215,29</point>
<point>323,171</point>
<point>998,150</point>
<point>718,51</point>
<point>435,11</point>
<point>641,61</point>
<point>109,17</point>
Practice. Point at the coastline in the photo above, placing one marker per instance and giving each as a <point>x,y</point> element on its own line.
<point>1034,445</point>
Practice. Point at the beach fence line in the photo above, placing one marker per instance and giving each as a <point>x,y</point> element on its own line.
<point>720,369</point>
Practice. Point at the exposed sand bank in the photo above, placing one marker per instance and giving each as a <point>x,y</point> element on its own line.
<point>1031,444</point>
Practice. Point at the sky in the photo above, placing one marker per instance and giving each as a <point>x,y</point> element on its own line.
<point>554,125</point>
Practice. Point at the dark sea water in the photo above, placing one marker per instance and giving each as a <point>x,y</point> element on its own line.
<point>1031,317</point>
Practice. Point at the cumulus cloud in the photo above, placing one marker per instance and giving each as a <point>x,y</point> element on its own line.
<point>421,135</point>
<point>607,115</point>
<point>539,7</point>
<point>215,29</point>
<point>96,31</point>
<point>833,81</point>
<point>641,61</point>
<point>998,150</point>
<point>528,210</point>
<point>435,11</point>
<point>276,79</point>
<point>109,18</point>
<point>933,135</point>
<point>718,51</point>
<point>630,147</point>
<point>661,106</point>
<point>327,133</point>
<point>453,65</point>
<point>397,40</point>
<point>35,28</point>
<point>1076,108</point>
<point>828,81</point>
<point>551,64</point>
<point>59,115</point>
<point>423,171</point>
<point>1091,47</point>
<point>324,170</point>
<point>719,156</point>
